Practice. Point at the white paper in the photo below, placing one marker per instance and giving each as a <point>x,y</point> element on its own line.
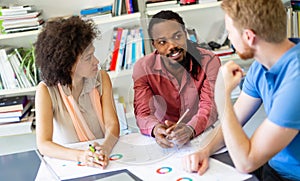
<point>144,158</point>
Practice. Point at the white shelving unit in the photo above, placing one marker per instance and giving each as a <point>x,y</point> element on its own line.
<point>13,92</point>
<point>69,7</point>
<point>204,18</point>
<point>187,8</point>
<point>102,47</point>
<point>21,34</point>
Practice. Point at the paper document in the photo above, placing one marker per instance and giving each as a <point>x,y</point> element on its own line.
<point>142,156</point>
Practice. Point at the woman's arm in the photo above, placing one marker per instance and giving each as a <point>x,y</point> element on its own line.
<point>111,122</point>
<point>44,129</point>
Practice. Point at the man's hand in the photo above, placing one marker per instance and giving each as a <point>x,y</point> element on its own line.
<point>179,133</point>
<point>159,132</point>
<point>196,162</point>
<point>230,75</point>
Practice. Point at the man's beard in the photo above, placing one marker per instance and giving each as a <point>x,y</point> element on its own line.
<point>176,63</point>
<point>247,53</point>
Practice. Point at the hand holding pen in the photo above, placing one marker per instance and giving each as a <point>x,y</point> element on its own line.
<point>97,156</point>
<point>179,133</point>
<point>166,134</point>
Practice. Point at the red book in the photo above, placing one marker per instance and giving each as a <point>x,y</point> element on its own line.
<point>115,53</point>
<point>129,7</point>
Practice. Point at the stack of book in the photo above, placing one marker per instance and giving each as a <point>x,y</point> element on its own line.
<point>13,109</point>
<point>19,18</point>
<point>15,113</point>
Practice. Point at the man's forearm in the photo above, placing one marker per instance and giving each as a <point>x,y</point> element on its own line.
<point>235,138</point>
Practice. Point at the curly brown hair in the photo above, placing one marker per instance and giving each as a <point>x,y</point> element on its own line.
<point>59,44</point>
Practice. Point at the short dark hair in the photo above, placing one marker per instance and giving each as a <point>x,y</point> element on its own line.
<point>164,16</point>
<point>58,46</point>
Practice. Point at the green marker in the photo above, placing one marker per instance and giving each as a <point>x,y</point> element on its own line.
<point>93,150</point>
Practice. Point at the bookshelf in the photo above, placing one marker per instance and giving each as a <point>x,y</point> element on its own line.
<point>67,8</point>
<point>209,16</point>
<point>50,10</point>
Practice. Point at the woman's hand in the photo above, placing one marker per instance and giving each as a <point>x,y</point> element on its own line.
<point>96,156</point>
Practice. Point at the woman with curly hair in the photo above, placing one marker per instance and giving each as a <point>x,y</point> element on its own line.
<point>74,101</point>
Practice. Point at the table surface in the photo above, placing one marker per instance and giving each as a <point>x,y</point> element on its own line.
<point>19,166</point>
<point>25,165</point>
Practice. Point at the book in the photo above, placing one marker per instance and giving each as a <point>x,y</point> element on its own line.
<point>23,29</point>
<point>7,101</point>
<point>98,17</point>
<point>33,14</point>
<point>7,73</point>
<point>22,23</point>
<point>128,50</point>
<point>16,8</point>
<point>22,127</point>
<point>121,55</point>
<point>14,103</point>
<point>119,7</point>
<point>19,113</point>
<point>135,6</point>
<point>295,5</point>
<point>10,114</point>
<point>295,24</point>
<point>19,71</point>
<point>95,10</point>
<point>121,115</point>
<point>115,52</point>
<point>129,6</point>
<point>4,11</point>
<point>161,3</point>
<point>289,27</point>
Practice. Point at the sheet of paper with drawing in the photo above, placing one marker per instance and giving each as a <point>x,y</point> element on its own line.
<point>141,156</point>
<point>135,149</point>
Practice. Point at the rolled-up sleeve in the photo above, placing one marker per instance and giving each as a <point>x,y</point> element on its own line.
<point>143,103</point>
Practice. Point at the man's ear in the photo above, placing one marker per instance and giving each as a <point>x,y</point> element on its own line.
<point>249,36</point>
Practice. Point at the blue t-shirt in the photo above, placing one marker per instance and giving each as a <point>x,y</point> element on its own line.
<point>279,89</point>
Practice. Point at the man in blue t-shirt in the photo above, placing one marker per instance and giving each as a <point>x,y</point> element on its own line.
<point>257,29</point>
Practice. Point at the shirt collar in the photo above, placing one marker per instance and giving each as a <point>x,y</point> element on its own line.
<point>275,69</point>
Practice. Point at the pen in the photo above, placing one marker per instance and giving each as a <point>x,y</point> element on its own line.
<point>92,148</point>
<point>181,118</point>
<point>179,121</point>
<point>56,177</point>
